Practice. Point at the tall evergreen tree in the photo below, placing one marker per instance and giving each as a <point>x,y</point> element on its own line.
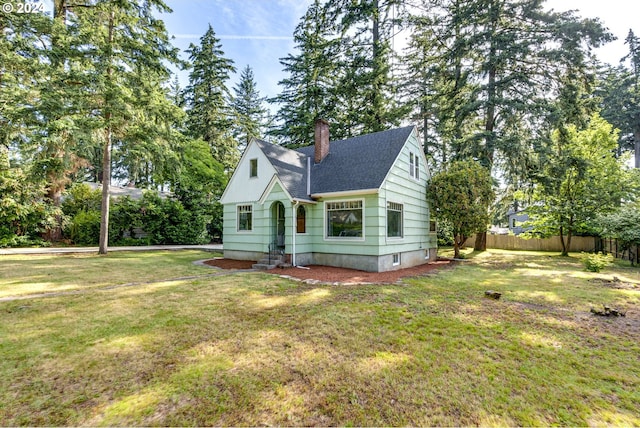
<point>125,50</point>
<point>309,90</point>
<point>367,89</point>
<point>208,113</point>
<point>620,92</point>
<point>499,61</point>
<point>439,80</point>
<point>343,72</point>
<point>248,108</point>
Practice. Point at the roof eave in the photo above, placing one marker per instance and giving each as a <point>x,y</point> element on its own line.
<point>275,179</point>
<point>305,201</point>
<point>346,193</point>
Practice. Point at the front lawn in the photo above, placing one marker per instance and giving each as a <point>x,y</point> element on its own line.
<point>255,349</point>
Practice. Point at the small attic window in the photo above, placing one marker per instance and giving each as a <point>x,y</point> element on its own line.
<point>414,165</point>
<point>253,168</point>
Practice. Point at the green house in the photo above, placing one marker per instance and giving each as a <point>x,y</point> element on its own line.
<point>358,203</point>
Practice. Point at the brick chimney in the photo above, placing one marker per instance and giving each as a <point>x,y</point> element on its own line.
<point>321,140</point>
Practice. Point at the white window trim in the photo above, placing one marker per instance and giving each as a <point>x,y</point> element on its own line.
<point>412,160</point>
<point>393,262</point>
<point>306,223</point>
<point>414,167</point>
<point>251,177</point>
<point>238,230</point>
<point>347,238</point>
<point>386,224</point>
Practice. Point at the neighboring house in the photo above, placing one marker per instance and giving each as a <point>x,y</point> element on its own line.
<point>516,219</point>
<point>132,192</point>
<point>358,203</point>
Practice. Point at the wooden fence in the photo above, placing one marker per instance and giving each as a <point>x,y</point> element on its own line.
<point>611,246</point>
<point>512,242</point>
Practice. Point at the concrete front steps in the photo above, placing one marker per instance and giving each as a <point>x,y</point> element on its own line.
<point>265,264</point>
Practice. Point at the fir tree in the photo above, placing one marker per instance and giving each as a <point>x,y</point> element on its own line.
<point>208,113</point>
<point>491,66</point>
<point>367,95</point>
<point>309,90</point>
<point>125,49</point>
<point>249,112</point>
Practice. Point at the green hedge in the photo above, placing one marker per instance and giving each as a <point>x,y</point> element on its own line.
<point>148,221</point>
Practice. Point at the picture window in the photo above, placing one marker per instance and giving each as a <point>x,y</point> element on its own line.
<point>344,219</point>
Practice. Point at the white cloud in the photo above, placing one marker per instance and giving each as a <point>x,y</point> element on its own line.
<point>234,37</point>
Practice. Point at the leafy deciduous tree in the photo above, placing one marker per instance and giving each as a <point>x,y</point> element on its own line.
<point>581,180</point>
<point>459,195</point>
<point>624,225</point>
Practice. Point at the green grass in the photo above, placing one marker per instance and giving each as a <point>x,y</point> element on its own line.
<point>255,349</point>
<point>33,274</point>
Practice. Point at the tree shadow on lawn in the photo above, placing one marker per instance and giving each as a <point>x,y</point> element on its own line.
<point>254,349</point>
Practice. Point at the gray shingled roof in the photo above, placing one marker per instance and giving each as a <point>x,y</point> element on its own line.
<point>357,163</point>
<point>291,167</point>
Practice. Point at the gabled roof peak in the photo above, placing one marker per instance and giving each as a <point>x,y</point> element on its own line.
<point>356,163</point>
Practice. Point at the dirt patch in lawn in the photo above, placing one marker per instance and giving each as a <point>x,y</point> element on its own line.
<point>230,264</point>
<point>330,274</point>
<point>615,283</point>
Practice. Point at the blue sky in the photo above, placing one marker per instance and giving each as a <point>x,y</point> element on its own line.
<point>252,32</point>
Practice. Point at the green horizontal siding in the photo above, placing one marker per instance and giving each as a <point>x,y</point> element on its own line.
<point>399,187</point>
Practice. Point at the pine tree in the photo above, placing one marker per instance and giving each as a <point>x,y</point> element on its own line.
<point>209,116</point>
<point>42,107</point>
<point>620,106</point>
<point>249,112</point>
<point>439,81</point>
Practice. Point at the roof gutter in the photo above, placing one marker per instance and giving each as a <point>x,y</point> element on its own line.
<point>346,193</point>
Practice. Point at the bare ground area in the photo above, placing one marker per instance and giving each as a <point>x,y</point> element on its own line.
<point>335,274</point>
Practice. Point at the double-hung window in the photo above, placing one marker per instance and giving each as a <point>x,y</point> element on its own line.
<point>245,218</point>
<point>414,165</point>
<point>344,219</point>
<point>394,220</point>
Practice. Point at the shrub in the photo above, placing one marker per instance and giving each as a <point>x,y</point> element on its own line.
<point>80,197</point>
<point>595,262</point>
<point>84,228</point>
<point>124,218</point>
<point>445,233</point>
<point>24,211</point>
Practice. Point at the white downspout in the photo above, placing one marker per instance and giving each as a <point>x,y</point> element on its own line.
<point>293,233</point>
<point>309,176</point>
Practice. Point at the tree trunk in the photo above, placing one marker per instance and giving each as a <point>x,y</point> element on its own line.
<point>458,241</point>
<point>106,159</point>
<point>56,178</point>
<point>54,233</point>
<point>481,241</point>
<point>636,137</point>
<point>106,182</point>
<point>565,252</point>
